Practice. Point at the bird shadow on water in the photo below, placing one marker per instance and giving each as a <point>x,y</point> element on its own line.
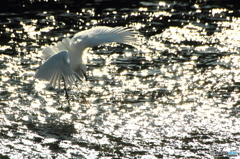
<point>59,131</point>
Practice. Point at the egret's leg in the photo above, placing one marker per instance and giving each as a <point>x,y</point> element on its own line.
<point>85,101</point>
<point>82,94</point>
<point>66,92</point>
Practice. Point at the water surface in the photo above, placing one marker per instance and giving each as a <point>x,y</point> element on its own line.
<point>176,96</point>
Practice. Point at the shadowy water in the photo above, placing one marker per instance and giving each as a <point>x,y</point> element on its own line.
<point>176,96</point>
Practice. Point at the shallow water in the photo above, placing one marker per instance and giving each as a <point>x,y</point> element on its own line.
<point>176,96</point>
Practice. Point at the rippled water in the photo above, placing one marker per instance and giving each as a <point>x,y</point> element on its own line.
<point>176,96</point>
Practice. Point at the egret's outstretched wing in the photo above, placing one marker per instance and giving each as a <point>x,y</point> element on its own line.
<point>89,38</point>
<point>56,67</point>
<point>101,35</point>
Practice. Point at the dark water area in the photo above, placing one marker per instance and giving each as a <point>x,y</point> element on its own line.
<point>177,95</point>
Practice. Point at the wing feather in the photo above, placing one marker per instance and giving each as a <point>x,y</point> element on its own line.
<point>56,67</point>
<point>101,35</point>
<point>56,78</point>
<point>60,46</point>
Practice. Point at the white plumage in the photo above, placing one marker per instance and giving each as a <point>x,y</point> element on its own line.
<point>64,59</point>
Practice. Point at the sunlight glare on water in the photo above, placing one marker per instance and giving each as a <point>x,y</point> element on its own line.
<point>174,96</point>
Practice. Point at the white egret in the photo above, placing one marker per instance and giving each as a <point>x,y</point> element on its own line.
<point>65,59</point>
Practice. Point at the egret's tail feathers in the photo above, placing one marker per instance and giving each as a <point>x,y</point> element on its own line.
<point>60,46</point>
<point>101,35</point>
<point>56,67</point>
